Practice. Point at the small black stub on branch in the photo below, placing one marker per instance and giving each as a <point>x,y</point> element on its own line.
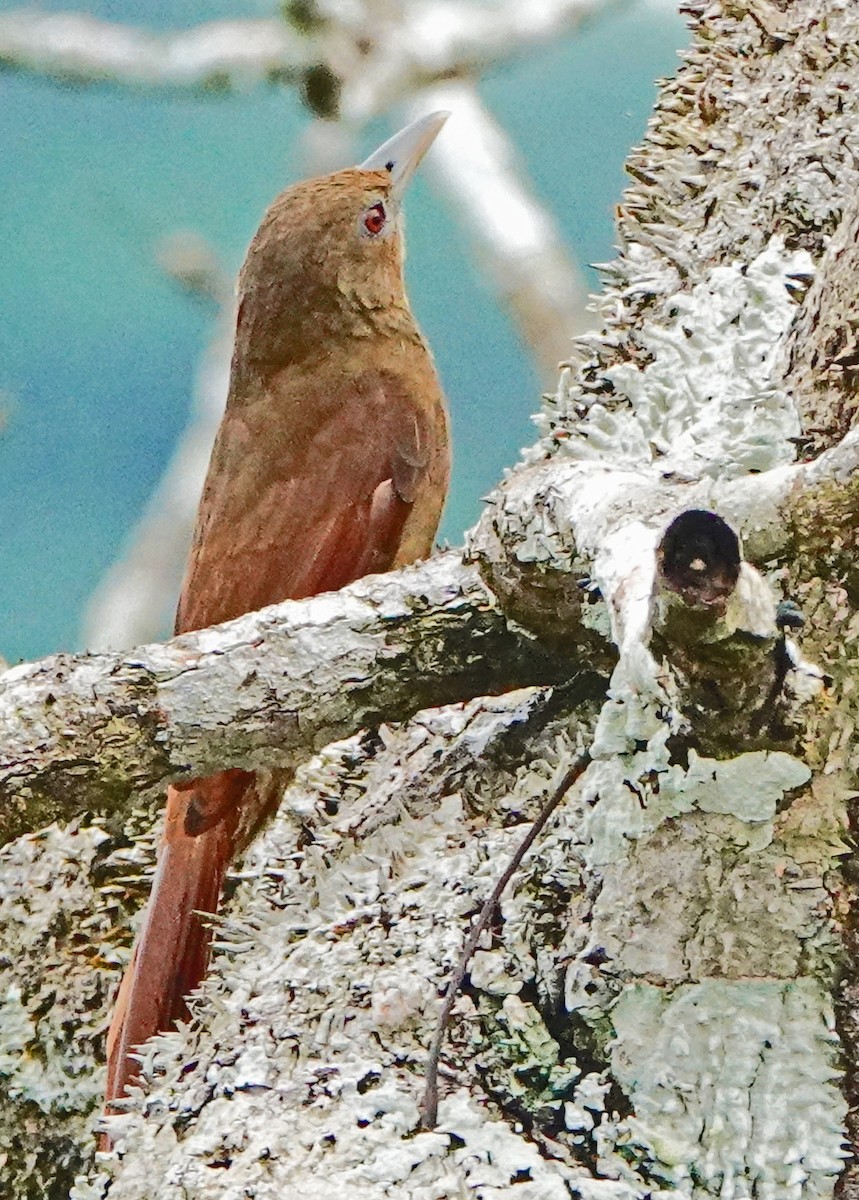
<point>699,558</point>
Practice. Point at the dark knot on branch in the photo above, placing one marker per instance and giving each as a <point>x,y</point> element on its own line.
<point>699,558</point>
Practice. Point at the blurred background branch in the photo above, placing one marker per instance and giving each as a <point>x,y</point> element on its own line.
<point>82,49</point>
<point>512,236</point>
<point>137,596</point>
<point>397,46</point>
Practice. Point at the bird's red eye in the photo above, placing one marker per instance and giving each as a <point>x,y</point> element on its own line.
<point>375,219</point>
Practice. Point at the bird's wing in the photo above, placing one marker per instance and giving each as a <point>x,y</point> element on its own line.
<point>306,507</point>
<point>333,509</point>
<point>288,511</point>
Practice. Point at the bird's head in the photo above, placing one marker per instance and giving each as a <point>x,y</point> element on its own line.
<point>328,253</point>
<point>385,175</point>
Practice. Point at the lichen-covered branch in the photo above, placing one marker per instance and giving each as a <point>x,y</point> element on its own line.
<point>667,1002</point>
<point>821,357</point>
<point>86,733</point>
<point>271,688</point>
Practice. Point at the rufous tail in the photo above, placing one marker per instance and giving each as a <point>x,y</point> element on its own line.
<point>172,950</point>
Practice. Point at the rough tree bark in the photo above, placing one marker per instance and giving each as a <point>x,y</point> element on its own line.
<point>667,1005</point>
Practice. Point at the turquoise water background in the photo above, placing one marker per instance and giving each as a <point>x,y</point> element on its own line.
<point>98,349</point>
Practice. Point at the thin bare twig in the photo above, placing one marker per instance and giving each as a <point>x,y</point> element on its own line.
<point>429,1108</point>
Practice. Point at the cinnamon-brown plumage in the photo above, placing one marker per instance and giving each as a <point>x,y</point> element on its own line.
<point>331,463</point>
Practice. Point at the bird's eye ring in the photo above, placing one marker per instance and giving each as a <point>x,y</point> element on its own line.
<point>374,219</point>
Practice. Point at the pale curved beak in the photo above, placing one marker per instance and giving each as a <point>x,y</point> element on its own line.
<point>402,153</point>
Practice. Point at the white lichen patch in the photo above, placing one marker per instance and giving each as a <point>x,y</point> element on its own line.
<point>310,1064</point>
<point>703,403</point>
<point>748,787</point>
<point>693,876</point>
<point>734,1089</point>
<point>45,890</point>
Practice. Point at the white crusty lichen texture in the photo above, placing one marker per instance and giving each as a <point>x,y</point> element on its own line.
<point>699,400</point>
<point>306,1072</point>
<point>59,912</point>
<point>652,1014</point>
<point>310,1070</point>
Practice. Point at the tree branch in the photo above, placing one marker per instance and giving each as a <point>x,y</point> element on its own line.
<point>84,733</point>
<point>388,55</point>
<point>820,359</point>
<point>270,688</point>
